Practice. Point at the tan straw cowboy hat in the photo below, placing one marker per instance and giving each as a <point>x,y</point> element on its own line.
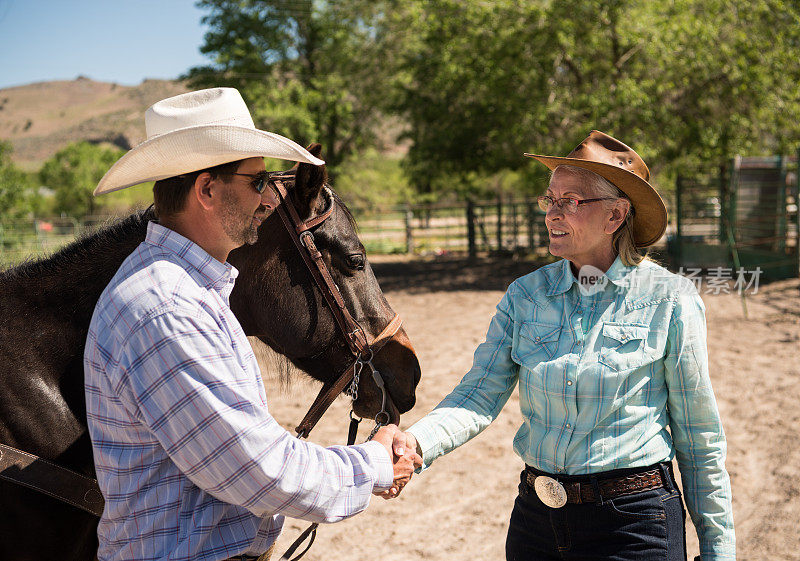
<point>194,131</point>
<point>611,159</point>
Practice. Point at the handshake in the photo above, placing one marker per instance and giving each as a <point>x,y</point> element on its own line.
<point>402,448</point>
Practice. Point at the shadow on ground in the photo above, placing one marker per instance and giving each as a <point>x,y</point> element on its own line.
<point>449,273</point>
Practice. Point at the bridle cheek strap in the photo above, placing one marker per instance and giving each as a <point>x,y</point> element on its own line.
<point>303,239</point>
<point>354,335</point>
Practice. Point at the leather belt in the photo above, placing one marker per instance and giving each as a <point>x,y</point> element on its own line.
<point>577,492</point>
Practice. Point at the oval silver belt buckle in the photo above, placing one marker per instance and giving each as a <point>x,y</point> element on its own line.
<point>550,491</point>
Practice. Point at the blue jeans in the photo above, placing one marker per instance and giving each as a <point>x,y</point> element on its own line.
<point>645,526</point>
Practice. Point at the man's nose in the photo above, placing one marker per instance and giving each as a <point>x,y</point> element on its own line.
<point>269,199</point>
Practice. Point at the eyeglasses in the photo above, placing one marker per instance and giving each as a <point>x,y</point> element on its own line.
<point>259,180</point>
<point>568,204</point>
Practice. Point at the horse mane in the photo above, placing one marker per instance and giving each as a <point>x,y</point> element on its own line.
<point>114,234</point>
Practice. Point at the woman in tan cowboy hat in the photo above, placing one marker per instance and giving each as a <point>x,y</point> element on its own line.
<point>609,350</point>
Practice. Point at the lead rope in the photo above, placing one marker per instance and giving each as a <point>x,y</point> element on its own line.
<point>381,419</point>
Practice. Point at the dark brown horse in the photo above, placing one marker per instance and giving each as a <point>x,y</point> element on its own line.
<point>45,308</point>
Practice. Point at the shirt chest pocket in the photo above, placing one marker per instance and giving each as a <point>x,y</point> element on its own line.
<point>624,346</point>
<point>535,343</point>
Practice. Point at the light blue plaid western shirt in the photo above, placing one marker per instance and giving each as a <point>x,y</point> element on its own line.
<point>609,378</point>
<point>191,463</point>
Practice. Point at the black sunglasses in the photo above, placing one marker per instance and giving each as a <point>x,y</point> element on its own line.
<point>259,180</point>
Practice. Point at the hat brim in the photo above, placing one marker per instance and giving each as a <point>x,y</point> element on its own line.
<point>195,148</point>
<point>650,219</point>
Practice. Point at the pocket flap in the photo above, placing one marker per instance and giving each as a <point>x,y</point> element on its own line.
<point>540,332</point>
<point>624,332</point>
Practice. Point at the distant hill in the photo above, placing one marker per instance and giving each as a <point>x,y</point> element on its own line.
<point>41,118</point>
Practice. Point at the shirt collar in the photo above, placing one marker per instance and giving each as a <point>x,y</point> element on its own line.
<point>212,273</point>
<point>563,279</point>
<point>618,273</point>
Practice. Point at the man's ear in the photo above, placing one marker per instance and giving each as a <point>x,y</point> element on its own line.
<point>204,190</point>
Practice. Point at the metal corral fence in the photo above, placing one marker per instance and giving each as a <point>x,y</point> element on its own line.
<point>501,226</point>
<point>741,215</point>
<point>27,239</point>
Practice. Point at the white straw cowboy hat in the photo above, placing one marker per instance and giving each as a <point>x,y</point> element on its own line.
<point>194,131</point>
<point>611,159</point>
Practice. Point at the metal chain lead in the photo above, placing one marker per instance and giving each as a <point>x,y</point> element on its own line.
<point>382,418</point>
<point>375,430</point>
<point>352,390</point>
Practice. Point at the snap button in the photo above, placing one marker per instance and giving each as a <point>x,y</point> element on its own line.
<point>538,339</point>
<point>569,382</point>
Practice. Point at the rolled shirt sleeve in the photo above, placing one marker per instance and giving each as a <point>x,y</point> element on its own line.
<point>478,398</point>
<point>179,378</point>
<point>696,428</point>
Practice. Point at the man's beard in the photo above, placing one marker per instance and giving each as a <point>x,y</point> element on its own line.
<point>240,228</point>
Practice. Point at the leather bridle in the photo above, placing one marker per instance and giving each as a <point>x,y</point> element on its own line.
<point>275,196</point>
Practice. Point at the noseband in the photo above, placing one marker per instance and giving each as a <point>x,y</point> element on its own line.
<point>363,350</point>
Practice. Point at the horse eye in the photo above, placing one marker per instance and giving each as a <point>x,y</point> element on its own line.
<point>356,261</point>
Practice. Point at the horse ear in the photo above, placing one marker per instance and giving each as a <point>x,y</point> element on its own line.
<point>309,180</point>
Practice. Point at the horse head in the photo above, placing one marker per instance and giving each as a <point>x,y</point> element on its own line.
<point>277,300</point>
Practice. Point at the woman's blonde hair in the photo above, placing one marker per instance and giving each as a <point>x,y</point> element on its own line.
<point>622,240</point>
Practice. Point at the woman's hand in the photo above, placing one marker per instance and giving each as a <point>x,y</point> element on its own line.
<point>401,447</point>
<point>405,457</point>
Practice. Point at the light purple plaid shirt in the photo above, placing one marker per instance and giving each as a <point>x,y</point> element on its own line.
<point>190,462</point>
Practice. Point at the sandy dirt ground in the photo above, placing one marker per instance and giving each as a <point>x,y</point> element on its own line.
<point>459,508</point>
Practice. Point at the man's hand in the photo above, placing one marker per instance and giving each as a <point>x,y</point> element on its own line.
<point>401,447</point>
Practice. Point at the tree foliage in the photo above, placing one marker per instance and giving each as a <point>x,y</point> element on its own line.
<point>14,186</point>
<point>303,67</point>
<point>73,173</point>
<point>687,80</point>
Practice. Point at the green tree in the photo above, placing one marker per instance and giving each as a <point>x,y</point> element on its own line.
<point>682,81</point>
<point>14,186</point>
<point>304,67</point>
<point>467,80</point>
<point>73,173</point>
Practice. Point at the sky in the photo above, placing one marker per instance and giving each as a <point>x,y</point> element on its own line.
<point>122,41</point>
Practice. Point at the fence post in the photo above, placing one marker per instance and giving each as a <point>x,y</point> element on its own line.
<point>678,252</point>
<point>531,220</point>
<point>514,226</point>
<point>797,211</point>
<point>499,223</point>
<point>409,231</point>
<point>471,229</point>
<point>781,210</point>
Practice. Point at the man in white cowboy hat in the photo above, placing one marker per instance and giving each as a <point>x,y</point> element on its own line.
<point>190,462</point>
